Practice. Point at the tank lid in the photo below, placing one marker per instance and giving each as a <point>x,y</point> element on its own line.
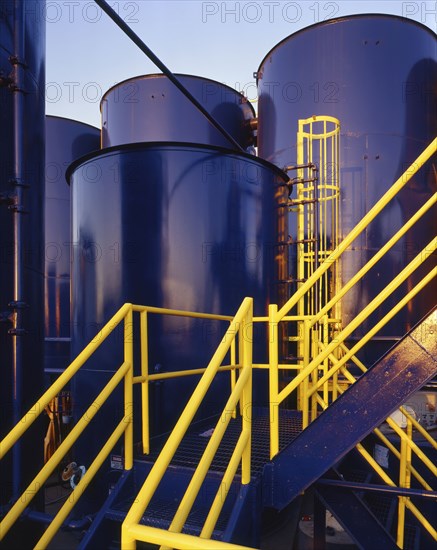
<point>190,76</point>
<point>170,144</point>
<point>343,19</point>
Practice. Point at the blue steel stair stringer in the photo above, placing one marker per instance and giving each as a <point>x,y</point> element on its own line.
<point>403,370</point>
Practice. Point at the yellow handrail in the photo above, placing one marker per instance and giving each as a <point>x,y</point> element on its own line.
<point>372,306</point>
<point>360,227</point>
<point>350,353</point>
<point>125,426</point>
<point>181,541</point>
<point>10,439</point>
<point>242,325</point>
<point>313,361</point>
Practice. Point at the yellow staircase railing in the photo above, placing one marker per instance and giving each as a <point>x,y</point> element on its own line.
<point>132,530</point>
<point>124,427</point>
<point>236,344</point>
<point>323,372</point>
<point>404,454</point>
<point>320,377</point>
<point>309,380</point>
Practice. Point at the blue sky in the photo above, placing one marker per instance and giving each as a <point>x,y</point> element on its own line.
<point>224,41</point>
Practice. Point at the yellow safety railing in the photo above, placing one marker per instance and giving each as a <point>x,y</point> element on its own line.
<point>315,370</point>
<point>237,340</point>
<point>125,426</point>
<point>241,327</point>
<point>322,368</point>
<point>407,448</point>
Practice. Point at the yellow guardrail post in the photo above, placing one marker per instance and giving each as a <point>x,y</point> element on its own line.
<point>233,373</point>
<point>404,481</point>
<point>145,383</point>
<point>305,395</point>
<point>273,380</point>
<point>247,395</point>
<point>128,390</point>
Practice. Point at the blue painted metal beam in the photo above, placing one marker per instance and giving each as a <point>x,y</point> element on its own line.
<point>355,517</point>
<point>383,388</point>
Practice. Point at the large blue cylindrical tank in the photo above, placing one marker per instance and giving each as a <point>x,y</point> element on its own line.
<point>177,226</point>
<point>22,56</point>
<point>378,75</point>
<point>151,108</point>
<point>66,141</point>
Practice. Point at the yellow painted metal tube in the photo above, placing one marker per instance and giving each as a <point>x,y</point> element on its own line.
<point>180,541</point>
<point>219,500</point>
<point>397,454</point>
<point>42,476</point>
<point>247,398</point>
<point>202,468</point>
<point>401,435</point>
<point>401,522</point>
<point>402,500</point>
<point>62,515</point>
<point>351,353</point>
<point>412,445</point>
<point>159,468</point>
<point>421,518</point>
<point>59,384</point>
<point>273,381</point>
<point>181,313</point>
<point>354,359</point>
<point>181,373</point>
<point>380,471</point>
<point>363,315</point>
<point>359,228</point>
<point>128,391</point>
<point>144,383</point>
<point>381,252</point>
<point>233,372</point>
<point>420,428</point>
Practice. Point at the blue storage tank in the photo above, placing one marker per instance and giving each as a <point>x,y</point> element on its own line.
<point>22,100</point>
<point>378,75</point>
<point>172,225</point>
<point>151,108</point>
<point>66,141</point>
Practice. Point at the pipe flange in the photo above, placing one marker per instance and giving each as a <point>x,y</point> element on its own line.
<point>18,182</point>
<point>18,208</point>
<point>18,304</point>
<point>17,332</point>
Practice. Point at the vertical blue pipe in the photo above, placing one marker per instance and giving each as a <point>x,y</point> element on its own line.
<point>18,159</point>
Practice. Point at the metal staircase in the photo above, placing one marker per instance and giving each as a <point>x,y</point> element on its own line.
<point>254,459</point>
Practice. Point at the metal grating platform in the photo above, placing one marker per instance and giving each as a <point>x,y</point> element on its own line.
<point>195,441</point>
